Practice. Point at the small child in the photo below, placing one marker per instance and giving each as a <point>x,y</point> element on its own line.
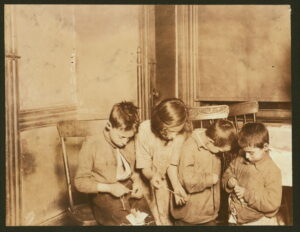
<point>253,180</point>
<point>200,171</point>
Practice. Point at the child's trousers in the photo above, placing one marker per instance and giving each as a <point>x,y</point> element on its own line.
<point>112,211</point>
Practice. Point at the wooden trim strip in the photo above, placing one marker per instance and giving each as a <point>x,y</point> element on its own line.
<point>13,184</point>
<point>12,56</point>
<point>37,118</point>
<point>12,161</point>
<point>220,98</point>
<point>47,110</point>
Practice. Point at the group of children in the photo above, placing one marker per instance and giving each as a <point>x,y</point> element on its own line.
<point>172,174</point>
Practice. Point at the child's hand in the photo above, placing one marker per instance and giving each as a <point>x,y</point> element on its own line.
<point>215,178</point>
<point>232,182</point>
<point>156,181</point>
<point>239,191</point>
<point>118,189</point>
<point>137,191</point>
<point>180,195</point>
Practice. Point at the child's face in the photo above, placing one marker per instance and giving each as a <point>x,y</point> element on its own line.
<point>254,154</point>
<point>120,137</point>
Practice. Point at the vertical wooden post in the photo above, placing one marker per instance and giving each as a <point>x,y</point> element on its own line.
<point>13,167</point>
<point>146,59</point>
<point>186,52</point>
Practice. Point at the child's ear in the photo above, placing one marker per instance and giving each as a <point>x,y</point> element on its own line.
<point>108,126</point>
<point>266,147</point>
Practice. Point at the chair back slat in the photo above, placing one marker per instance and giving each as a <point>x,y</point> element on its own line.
<point>243,108</point>
<point>208,112</point>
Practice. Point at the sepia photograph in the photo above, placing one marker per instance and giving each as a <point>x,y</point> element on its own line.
<point>148,115</point>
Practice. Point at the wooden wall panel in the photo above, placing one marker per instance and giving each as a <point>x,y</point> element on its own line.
<point>243,53</point>
<point>45,39</point>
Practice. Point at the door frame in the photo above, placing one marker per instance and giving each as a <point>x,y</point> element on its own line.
<point>186,53</point>
<point>12,142</point>
<point>146,61</point>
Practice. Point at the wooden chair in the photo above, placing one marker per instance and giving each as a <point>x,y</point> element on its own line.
<point>244,112</point>
<point>208,114</point>
<point>80,213</point>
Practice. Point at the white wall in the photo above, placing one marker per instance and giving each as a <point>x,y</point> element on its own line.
<point>107,38</point>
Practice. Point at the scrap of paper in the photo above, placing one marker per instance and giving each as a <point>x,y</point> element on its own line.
<point>136,217</point>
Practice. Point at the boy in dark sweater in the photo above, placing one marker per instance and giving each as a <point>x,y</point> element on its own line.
<point>253,180</point>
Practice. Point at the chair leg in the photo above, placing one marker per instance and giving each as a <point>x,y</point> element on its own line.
<point>236,124</point>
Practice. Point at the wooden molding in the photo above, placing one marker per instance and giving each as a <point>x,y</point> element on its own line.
<point>13,182</point>
<point>43,117</point>
<point>146,59</point>
<point>186,56</point>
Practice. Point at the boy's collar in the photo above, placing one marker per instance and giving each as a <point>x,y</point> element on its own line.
<point>107,138</point>
<point>197,135</point>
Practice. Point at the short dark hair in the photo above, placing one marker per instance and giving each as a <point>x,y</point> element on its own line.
<point>222,132</point>
<point>253,134</point>
<point>124,115</point>
<point>170,112</point>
